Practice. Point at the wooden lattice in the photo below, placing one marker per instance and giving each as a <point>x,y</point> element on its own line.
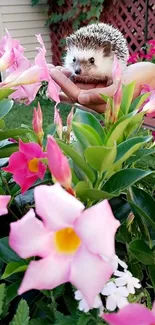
<point>127,15</point>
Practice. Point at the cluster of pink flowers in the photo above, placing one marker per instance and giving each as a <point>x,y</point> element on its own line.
<point>148,56</point>
<point>25,78</point>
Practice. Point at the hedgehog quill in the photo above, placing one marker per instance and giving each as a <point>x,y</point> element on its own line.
<point>91,50</point>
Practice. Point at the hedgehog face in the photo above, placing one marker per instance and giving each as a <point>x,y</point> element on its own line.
<point>88,62</point>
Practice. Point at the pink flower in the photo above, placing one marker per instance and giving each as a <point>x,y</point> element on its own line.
<point>26,165</point>
<point>132,314</point>
<point>58,122</point>
<point>37,123</point>
<point>34,74</point>
<point>117,99</point>
<point>7,54</point>
<point>4,200</point>
<point>153,134</point>
<point>70,240</point>
<point>133,58</point>
<point>116,71</point>
<point>58,163</point>
<point>149,107</point>
<point>151,42</point>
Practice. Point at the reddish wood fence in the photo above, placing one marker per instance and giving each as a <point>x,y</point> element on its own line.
<point>127,15</point>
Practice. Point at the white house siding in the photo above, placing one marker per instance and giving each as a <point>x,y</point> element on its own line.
<point>24,22</point>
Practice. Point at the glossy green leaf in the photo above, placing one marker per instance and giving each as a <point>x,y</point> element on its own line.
<point>6,253</point>
<point>142,252</point>
<point>11,291</point>
<point>151,269</point>
<point>13,133</point>
<point>2,125</point>
<point>80,189</point>
<point>120,208</point>
<point>89,119</point>
<point>123,179</point>
<point>117,130</point>
<point>139,154</point>
<point>135,122</point>
<point>2,296</point>
<point>85,132</point>
<point>128,92</point>
<point>5,107</point>
<point>12,268</point>
<point>51,129</point>
<point>97,195</point>
<point>8,150</point>
<point>145,204</point>
<point>100,158</point>
<point>138,102</point>
<point>5,92</point>
<point>128,147</point>
<point>78,160</point>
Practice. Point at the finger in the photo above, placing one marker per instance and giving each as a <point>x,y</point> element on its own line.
<point>65,99</point>
<point>67,86</point>
<point>93,96</point>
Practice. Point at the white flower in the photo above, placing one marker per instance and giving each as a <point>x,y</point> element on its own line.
<point>116,262</point>
<point>83,306</point>
<point>126,278</point>
<point>117,297</point>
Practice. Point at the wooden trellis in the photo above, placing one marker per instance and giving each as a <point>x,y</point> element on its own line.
<point>127,15</point>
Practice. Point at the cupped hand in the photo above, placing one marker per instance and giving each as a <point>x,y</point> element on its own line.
<point>89,95</point>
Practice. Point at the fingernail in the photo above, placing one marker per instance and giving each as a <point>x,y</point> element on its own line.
<point>84,99</point>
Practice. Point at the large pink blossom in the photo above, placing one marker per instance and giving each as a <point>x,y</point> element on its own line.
<point>26,165</point>
<point>9,50</point>
<point>132,314</point>
<point>75,245</point>
<point>4,200</point>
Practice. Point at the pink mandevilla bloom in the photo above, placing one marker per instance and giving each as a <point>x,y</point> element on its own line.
<point>4,200</point>
<point>75,245</point>
<point>9,50</point>
<point>26,165</point>
<point>37,123</point>
<point>149,107</point>
<point>58,163</point>
<point>132,314</point>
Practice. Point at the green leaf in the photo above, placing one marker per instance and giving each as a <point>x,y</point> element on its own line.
<point>84,319</point>
<point>51,129</point>
<point>142,252</point>
<point>137,102</point>
<point>135,122</point>
<point>89,119</point>
<point>8,150</point>
<point>128,92</point>
<point>39,321</point>
<point>96,195</point>
<point>117,129</point>
<point>78,160</point>
<point>5,92</point>
<point>80,189</point>
<point>2,125</point>
<point>139,154</point>
<point>11,291</point>
<point>144,204</point>
<point>22,314</point>
<point>151,269</point>
<point>12,268</point>
<point>6,253</point>
<point>128,147</point>
<point>13,133</point>
<point>5,107</point>
<point>123,179</point>
<point>2,296</point>
<point>100,158</point>
<point>86,134</point>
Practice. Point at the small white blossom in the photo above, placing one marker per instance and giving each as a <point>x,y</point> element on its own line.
<point>83,306</point>
<point>126,278</point>
<point>116,262</point>
<point>117,297</point>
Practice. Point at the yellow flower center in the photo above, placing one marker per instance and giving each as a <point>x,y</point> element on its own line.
<point>33,165</point>
<point>67,241</point>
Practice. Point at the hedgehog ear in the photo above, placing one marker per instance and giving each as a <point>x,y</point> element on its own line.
<point>69,42</point>
<point>106,48</point>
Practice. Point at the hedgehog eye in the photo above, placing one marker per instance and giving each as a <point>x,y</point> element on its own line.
<point>92,60</point>
<point>74,59</point>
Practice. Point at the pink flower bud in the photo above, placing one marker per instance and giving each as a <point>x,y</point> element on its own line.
<point>58,163</point>
<point>37,123</point>
<point>117,98</point>
<point>116,71</point>
<point>58,122</point>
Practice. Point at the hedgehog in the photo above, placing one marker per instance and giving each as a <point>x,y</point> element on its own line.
<point>90,52</point>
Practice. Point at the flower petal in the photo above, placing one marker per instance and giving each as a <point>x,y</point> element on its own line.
<point>24,182</point>
<point>131,314</point>
<point>28,237</point>
<point>30,150</point>
<point>122,302</point>
<point>46,273</point>
<point>111,303</point>
<point>4,200</point>
<point>13,165</point>
<point>61,209</point>
<point>89,273</point>
<point>109,288</point>
<point>97,227</point>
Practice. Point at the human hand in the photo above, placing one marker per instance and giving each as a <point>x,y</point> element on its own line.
<point>89,95</point>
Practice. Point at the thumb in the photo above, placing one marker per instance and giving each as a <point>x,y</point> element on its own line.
<point>93,96</point>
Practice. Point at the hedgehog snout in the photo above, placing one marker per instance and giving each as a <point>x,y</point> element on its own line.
<point>78,70</point>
